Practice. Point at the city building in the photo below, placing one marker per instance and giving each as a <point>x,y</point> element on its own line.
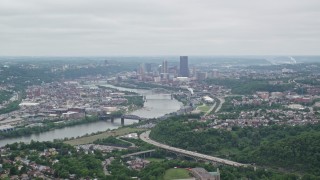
<point>141,69</point>
<point>141,72</point>
<point>6,128</point>
<point>215,73</point>
<point>201,76</point>
<point>164,66</point>
<point>148,67</point>
<point>184,66</point>
<point>164,70</point>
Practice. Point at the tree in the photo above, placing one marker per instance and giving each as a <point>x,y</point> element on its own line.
<point>14,171</point>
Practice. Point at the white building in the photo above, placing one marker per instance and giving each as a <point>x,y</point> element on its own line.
<point>6,128</point>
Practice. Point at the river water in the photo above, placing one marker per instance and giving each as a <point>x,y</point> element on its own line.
<point>156,105</point>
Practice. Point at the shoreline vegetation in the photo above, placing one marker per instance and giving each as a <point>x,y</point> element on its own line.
<point>49,125</point>
<point>278,147</point>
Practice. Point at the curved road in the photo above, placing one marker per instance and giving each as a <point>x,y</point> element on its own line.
<point>132,144</point>
<point>211,108</point>
<point>145,137</point>
<point>220,105</point>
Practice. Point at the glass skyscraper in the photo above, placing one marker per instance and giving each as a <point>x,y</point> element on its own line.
<point>184,67</point>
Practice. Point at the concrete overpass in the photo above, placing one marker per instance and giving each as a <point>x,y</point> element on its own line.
<point>145,137</point>
<point>138,153</point>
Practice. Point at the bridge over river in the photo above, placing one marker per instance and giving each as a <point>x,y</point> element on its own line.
<point>132,117</point>
<point>135,117</point>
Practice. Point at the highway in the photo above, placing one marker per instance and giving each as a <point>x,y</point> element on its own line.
<point>138,153</point>
<point>145,137</point>
<point>220,105</point>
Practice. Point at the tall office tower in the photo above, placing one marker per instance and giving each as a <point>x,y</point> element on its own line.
<point>106,62</point>
<point>215,73</point>
<point>141,75</point>
<point>141,69</point>
<point>164,66</point>
<point>184,67</point>
<point>148,67</point>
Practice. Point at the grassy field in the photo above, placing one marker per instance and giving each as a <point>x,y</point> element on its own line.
<point>90,139</point>
<point>203,108</point>
<point>155,159</point>
<point>176,174</point>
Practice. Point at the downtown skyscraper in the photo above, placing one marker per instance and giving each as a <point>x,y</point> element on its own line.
<point>184,66</point>
<point>165,66</point>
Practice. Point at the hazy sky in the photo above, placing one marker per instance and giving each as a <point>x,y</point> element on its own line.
<point>159,27</point>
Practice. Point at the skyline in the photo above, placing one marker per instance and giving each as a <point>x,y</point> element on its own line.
<point>159,28</point>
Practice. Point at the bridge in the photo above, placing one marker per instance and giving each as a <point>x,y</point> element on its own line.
<point>198,156</point>
<point>139,153</point>
<point>132,117</point>
<point>123,117</point>
<point>106,117</point>
<point>156,96</point>
<point>160,91</point>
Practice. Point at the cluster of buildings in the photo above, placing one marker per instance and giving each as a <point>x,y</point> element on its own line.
<point>137,163</point>
<point>170,72</point>
<point>130,136</point>
<point>89,148</point>
<point>296,106</point>
<point>70,94</point>
<point>14,96</point>
<point>264,108</point>
<point>32,170</point>
<point>64,100</point>
<point>163,73</point>
<point>6,128</point>
<point>157,73</point>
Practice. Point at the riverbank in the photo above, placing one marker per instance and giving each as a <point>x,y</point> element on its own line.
<point>46,126</point>
<point>134,102</point>
<point>156,106</point>
<point>91,138</point>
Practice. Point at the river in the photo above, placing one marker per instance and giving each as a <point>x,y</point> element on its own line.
<point>157,105</point>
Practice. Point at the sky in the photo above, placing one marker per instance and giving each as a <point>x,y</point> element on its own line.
<point>159,27</point>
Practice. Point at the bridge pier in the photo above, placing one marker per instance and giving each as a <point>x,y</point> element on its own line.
<point>122,120</point>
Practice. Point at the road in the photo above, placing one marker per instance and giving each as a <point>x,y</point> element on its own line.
<point>214,105</point>
<point>211,108</point>
<point>138,153</point>
<point>132,144</point>
<point>145,137</point>
<point>220,104</point>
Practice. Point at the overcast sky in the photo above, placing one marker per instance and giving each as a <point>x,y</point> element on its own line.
<point>159,27</point>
